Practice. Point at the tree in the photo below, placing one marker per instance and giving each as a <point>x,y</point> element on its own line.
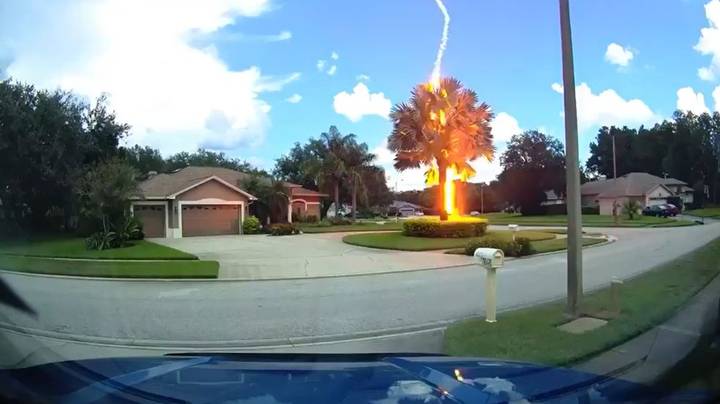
<point>441,128</point>
<point>105,191</point>
<point>47,141</point>
<point>208,158</point>
<point>144,159</point>
<point>532,164</point>
<point>357,162</point>
<point>375,190</point>
<point>631,207</point>
<point>273,197</point>
<point>294,166</point>
<point>332,168</point>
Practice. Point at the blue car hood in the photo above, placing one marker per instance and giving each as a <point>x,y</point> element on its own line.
<point>261,378</point>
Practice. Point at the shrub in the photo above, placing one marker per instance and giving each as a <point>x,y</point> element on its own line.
<point>251,225</point>
<point>449,229</point>
<point>283,229</point>
<point>520,247</point>
<point>339,221</point>
<point>102,241</point>
<point>307,219</point>
<point>590,210</point>
<point>129,228</point>
<point>631,208</point>
<point>555,209</point>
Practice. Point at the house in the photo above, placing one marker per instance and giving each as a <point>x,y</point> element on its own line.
<point>552,198</point>
<point>202,201</point>
<point>645,188</point>
<point>406,208</point>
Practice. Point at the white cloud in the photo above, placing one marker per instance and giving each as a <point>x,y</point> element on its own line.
<point>716,98</point>
<point>294,99</point>
<point>689,100</point>
<point>362,77</point>
<point>176,96</point>
<point>324,67</point>
<point>244,37</point>
<point>709,42</point>
<point>608,108</point>
<point>618,55</point>
<point>361,102</point>
<point>504,126</point>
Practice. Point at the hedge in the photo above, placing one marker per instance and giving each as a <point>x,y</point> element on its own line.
<point>511,248</point>
<point>455,229</point>
<point>284,229</point>
<point>251,225</point>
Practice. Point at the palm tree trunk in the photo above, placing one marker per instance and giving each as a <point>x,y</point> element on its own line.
<point>442,168</point>
<point>337,199</point>
<point>354,198</point>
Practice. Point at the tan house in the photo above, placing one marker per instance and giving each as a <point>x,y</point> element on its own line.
<point>645,188</point>
<point>203,201</point>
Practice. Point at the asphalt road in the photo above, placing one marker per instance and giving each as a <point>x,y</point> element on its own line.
<point>213,314</point>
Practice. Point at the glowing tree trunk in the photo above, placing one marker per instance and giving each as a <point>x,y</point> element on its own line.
<point>442,179</point>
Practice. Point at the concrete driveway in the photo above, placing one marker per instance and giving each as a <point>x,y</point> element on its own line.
<point>256,257</point>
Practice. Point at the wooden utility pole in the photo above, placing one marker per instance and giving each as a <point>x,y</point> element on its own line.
<point>572,169</point>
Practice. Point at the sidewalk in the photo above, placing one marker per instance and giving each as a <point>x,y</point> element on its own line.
<point>645,358</point>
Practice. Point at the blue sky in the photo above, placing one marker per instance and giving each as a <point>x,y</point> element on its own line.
<point>221,74</point>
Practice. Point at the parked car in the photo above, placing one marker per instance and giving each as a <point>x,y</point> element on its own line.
<point>674,210</point>
<point>474,213</point>
<point>656,210</point>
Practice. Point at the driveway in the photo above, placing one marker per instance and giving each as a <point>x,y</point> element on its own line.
<point>258,257</point>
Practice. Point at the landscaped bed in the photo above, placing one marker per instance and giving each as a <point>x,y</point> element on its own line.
<point>69,256</point>
<point>531,334</point>
<point>398,241</point>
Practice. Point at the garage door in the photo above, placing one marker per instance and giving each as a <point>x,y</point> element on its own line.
<point>210,220</point>
<point>152,218</point>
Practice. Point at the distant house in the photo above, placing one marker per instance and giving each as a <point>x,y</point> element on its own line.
<point>552,198</point>
<point>645,188</point>
<point>406,208</point>
<point>202,201</point>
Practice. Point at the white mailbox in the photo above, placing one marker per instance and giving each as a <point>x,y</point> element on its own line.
<point>489,258</point>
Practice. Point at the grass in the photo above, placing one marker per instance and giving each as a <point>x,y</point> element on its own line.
<point>705,212</point>
<point>75,248</point>
<point>68,256</point>
<point>558,244</point>
<point>390,224</point>
<point>531,334</point>
<point>110,268</point>
<point>398,241</point>
<point>500,218</point>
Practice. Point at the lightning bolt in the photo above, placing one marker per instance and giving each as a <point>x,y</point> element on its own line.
<point>435,77</point>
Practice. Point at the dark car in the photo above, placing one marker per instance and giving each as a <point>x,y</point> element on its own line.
<point>674,210</point>
<point>656,210</point>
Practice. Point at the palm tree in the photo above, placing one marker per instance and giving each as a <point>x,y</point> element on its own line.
<point>441,128</point>
<point>631,208</point>
<point>357,160</point>
<point>332,168</point>
<point>272,194</point>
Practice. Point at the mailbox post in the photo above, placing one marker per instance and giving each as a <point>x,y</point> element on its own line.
<point>513,229</point>
<point>491,259</point>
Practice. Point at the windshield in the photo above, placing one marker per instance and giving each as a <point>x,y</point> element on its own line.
<point>455,187</point>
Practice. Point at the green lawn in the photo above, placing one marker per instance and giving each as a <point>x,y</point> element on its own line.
<point>500,218</point>
<point>143,259</point>
<point>558,244</point>
<point>110,268</point>
<point>531,334</point>
<point>398,241</point>
<point>75,248</point>
<point>705,212</point>
<point>390,224</point>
